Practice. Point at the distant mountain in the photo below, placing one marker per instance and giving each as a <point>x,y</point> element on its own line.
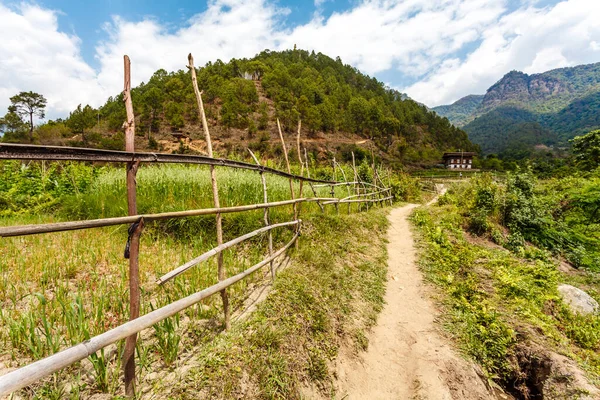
<point>462,111</point>
<point>521,110</point>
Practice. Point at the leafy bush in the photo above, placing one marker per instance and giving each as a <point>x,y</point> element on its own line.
<point>38,186</point>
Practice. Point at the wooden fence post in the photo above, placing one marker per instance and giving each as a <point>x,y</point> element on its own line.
<point>356,180</point>
<point>289,170</point>
<point>298,148</point>
<point>345,180</point>
<point>132,250</point>
<point>337,210</point>
<point>266,213</point>
<point>306,162</point>
<point>301,174</point>
<point>215,190</point>
<point>389,176</point>
<point>337,207</point>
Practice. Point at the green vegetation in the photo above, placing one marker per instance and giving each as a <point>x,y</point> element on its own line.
<point>587,150</point>
<point>521,111</point>
<point>461,111</point>
<point>333,290</point>
<point>502,302</point>
<point>248,95</point>
<point>23,105</point>
<point>51,298</point>
<point>510,130</point>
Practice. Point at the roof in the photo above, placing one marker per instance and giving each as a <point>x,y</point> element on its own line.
<point>460,154</point>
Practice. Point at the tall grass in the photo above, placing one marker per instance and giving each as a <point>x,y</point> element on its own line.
<point>60,289</point>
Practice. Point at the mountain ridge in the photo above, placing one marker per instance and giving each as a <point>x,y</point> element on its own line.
<point>244,98</point>
<point>560,103</point>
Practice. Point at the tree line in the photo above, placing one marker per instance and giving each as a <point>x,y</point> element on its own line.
<point>249,94</point>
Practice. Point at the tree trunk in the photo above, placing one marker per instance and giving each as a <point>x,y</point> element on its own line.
<point>31,127</point>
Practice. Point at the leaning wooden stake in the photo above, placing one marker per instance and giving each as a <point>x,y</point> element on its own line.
<point>298,148</point>
<point>356,185</point>
<point>266,214</point>
<point>215,189</point>
<point>135,231</point>
<point>287,163</point>
<point>337,208</point>
<point>297,216</point>
<point>345,180</point>
<point>390,185</point>
<point>306,162</point>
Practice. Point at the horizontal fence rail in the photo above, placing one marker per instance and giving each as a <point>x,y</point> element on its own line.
<point>23,230</point>
<point>358,200</point>
<point>58,153</point>
<point>31,373</point>
<point>350,184</point>
<point>170,275</point>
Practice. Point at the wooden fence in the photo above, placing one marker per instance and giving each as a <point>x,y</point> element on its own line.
<point>35,371</point>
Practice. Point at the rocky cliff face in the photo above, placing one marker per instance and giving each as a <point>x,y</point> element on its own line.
<point>557,105</point>
<point>527,90</point>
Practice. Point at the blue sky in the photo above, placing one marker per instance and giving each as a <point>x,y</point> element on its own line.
<point>436,51</point>
<point>86,19</point>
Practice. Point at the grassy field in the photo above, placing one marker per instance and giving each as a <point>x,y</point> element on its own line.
<point>59,289</point>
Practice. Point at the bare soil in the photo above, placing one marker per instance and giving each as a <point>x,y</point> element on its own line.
<point>408,357</point>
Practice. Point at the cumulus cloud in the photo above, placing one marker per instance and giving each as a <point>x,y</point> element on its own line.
<point>444,48</point>
<point>411,36</point>
<point>532,40</point>
<point>36,56</point>
<point>227,29</point>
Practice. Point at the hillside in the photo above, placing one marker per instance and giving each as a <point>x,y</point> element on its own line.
<point>521,110</point>
<point>338,106</point>
<point>461,111</point>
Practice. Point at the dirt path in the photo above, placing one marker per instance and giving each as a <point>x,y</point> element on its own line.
<point>407,357</point>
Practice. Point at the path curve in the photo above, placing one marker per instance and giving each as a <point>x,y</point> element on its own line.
<point>407,357</point>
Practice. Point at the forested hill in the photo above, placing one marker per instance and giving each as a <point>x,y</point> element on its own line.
<point>521,110</point>
<point>338,106</point>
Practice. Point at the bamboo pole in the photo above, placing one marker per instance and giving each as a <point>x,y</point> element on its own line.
<point>31,373</point>
<point>134,234</point>
<point>365,194</point>
<point>390,186</point>
<point>315,193</point>
<point>355,173</point>
<point>287,163</point>
<point>345,180</point>
<point>23,230</point>
<point>10,151</point>
<point>299,206</point>
<point>337,208</point>
<point>215,190</point>
<point>266,213</point>
<point>339,201</point>
<point>306,161</point>
<point>349,183</point>
<point>299,152</point>
<point>219,249</point>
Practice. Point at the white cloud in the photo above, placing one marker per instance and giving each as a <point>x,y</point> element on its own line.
<point>229,28</point>
<point>421,40</point>
<point>412,35</point>
<point>532,40</point>
<point>36,56</point>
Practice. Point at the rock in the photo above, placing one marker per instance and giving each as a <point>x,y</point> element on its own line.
<point>578,300</point>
